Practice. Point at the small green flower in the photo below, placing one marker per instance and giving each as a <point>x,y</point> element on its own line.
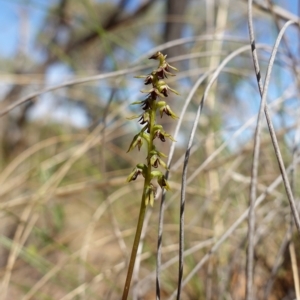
<point>164,89</point>
<point>161,134</point>
<point>145,118</point>
<point>158,55</point>
<point>161,180</point>
<point>154,93</point>
<point>139,169</point>
<point>137,141</point>
<point>145,104</point>
<point>168,111</point>
<point>150,195</point>
<point>164,67</point>
<point>164,70</point>
<point>148,78</point>
<point>155,159</point>
<point>163,183</point>
<point>156,174</point>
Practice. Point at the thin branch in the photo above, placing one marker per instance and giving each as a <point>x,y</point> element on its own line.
<point>254,170</point>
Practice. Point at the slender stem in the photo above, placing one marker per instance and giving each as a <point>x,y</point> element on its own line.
<point>135,245</point>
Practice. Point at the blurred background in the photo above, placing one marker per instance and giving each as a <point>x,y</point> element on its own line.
<point>68,218</point>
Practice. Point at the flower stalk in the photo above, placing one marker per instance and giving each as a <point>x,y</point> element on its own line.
<point>152,106</point>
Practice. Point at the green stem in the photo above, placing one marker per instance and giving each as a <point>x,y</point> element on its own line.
<point>135,245</point>
<point>142,208</point>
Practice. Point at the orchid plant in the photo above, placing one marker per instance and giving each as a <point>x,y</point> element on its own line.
<point>153,104</point>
